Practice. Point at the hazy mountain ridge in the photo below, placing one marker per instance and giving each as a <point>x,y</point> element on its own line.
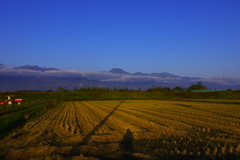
<point>155,74</point>
<point>36,68</point>
<point>118,71</point>
<point>164,75</point>
<point>225,79</point>
<point>141,74</point>
<point>36,78</point>
<point>15,83</point>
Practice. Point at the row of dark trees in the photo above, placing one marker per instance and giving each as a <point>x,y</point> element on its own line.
<point>96,89</point>
<point>198,86</point>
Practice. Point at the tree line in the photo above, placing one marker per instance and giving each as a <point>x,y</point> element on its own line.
<point>198,86</point>
<point>194,87</point>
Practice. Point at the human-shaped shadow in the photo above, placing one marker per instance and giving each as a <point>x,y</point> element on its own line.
<point>127,145</point>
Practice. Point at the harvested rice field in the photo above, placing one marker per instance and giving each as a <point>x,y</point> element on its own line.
<point>129,129</point>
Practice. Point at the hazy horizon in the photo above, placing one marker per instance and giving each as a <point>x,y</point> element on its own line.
<point>186,38</point>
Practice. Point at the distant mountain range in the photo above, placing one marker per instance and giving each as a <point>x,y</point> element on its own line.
<point>36,68</point>
<point>118,71</point>
<point>162,75</point>
<point>41,78</point>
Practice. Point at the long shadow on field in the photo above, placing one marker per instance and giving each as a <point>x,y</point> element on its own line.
<point>75,150</point>
<point>183,105</point>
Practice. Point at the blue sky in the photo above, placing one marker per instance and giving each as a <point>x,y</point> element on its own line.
<point>196,38</point>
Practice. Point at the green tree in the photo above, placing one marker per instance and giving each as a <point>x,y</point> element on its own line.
<point>178,88</point>
<point>198,86</point>
<point>159,89</point>
<point>62,89</point>
<point>49,90</point>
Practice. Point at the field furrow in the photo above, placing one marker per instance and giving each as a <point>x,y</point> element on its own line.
<point>129,129</point>
<point>142,122</point>
<point>79,129</point>
<point>188,120</point>
<point>114,124</point>
<point>33,130</point>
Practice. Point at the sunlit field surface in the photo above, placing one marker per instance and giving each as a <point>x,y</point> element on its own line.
<point>129,129</point>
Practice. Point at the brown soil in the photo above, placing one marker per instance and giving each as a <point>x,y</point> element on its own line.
<point>118,130</point>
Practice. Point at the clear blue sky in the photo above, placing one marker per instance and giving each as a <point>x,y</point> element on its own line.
<point>183,37</point>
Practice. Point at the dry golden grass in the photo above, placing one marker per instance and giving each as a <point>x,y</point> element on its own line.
<point>146,129</point>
